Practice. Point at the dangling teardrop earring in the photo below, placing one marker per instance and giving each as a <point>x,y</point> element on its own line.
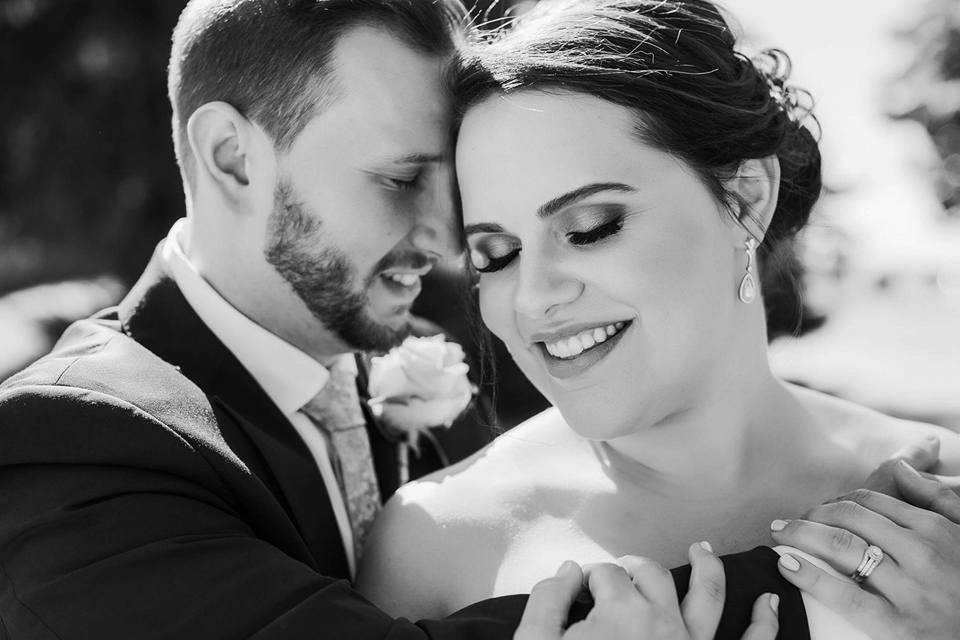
<point>748,286</point>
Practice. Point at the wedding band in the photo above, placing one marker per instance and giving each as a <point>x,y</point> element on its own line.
<point>872,558</point>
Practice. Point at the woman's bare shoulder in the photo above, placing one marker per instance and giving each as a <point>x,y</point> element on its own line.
<point>877,435</point>
<point>450,524</point>
<point>499,475</point>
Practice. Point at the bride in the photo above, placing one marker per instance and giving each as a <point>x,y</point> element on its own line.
<point>629,182</point>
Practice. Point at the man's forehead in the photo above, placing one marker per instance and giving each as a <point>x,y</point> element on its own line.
<point>390,96</point>
<point>368,58</point>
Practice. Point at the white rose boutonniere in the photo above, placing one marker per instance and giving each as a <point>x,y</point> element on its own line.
<point>420,384</point>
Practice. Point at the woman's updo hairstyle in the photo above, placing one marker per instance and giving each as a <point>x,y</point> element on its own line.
<point>673,63</point>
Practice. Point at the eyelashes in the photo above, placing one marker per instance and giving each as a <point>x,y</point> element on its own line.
<point>493,252</point>
<point>580,238</point>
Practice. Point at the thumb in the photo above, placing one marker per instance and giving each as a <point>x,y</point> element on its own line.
<point>922,454</point>
<point>926,492</point>
<point>545,615</point>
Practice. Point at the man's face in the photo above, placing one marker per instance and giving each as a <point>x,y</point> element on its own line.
<point>363,205</point>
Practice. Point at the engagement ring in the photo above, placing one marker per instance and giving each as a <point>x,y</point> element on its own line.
<point>872,558</point>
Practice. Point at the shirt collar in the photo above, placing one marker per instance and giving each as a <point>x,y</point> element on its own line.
<point>287,375</point>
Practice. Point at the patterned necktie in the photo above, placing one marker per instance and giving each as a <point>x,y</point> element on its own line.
<point>336,411</point>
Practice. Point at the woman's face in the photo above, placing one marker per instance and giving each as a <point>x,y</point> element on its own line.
<point>608,268</point>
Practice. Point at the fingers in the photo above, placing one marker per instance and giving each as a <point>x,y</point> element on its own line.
<point>652,581</point>
<point>927,493</point>
<point>545,615</point>
<point>922,455</point>
<point>765,621</point>
<point>893,509</point>
<point>703,603</point>
<point>863,609</point>
<point>865,514</point>
<point>607,581</point>
<point>840,548</point>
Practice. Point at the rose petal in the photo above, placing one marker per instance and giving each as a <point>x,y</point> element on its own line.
<point>417,415</point>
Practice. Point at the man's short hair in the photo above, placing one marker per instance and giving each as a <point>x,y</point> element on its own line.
<point>270,59</point>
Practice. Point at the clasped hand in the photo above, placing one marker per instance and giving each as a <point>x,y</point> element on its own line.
<point>915,590</point>
<point>637,599</point>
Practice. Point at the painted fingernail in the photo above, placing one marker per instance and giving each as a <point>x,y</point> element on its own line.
<point>775,603</point>
<point>778,525</point>
<point>706,546</point>
<point>789,563</point>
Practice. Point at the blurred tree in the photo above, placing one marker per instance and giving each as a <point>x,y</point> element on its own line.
<point>88,181</point>
<point>929,90</point>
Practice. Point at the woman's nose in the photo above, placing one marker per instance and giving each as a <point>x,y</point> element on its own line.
<point>542,287</point>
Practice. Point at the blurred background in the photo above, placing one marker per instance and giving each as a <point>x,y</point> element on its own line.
<point>88,184</point>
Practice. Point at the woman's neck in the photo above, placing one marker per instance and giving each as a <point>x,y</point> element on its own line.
<point>741,433</point>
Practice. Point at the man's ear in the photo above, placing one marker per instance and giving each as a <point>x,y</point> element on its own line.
<point>756,188</point>
<point>219,140</point>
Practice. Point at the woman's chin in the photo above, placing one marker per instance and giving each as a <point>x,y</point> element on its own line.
<point>592,422</point>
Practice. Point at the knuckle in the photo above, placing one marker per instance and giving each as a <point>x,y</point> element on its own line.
<point>841,540</point>
<point>714,588</point>
<point>853,602</point>
<point>926,557</point>
<point>944,500</point>
<point>848,508</point>
<point>859,496</point>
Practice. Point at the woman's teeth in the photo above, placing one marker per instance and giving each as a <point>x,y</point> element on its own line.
<point>575,345</point>
<point>405,279</point>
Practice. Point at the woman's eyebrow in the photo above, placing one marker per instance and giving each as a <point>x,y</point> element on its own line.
<point>568,198</point>
<point>482,227</point>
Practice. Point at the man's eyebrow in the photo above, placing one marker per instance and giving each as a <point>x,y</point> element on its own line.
<point>568,198</point>
<point>418,158</point>
<point>482,227</point>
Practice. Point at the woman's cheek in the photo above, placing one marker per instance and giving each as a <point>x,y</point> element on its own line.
<point>495,309</point>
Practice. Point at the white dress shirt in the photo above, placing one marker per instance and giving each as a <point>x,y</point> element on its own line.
<point>288,376</point>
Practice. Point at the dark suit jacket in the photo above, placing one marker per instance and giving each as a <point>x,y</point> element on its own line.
<point>150,489</point>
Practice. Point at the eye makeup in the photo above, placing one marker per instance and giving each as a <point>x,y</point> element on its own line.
<point>585,225</point>
<point>492,251</point>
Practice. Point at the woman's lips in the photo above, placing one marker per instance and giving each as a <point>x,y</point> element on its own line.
<point>575,364</point>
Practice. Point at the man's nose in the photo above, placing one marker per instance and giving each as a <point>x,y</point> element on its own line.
<point>437,230</point>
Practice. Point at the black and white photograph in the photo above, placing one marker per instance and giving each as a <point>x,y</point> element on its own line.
<point>480,320</point>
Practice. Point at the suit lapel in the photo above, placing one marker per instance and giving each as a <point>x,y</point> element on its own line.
<point>156,315</point>
<point>295,471</point>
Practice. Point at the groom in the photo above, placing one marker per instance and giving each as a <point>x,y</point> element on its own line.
<point>196,462</point>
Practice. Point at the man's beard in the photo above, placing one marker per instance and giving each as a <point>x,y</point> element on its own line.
<point>322,278</point>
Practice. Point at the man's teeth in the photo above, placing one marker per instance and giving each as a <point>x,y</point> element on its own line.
<point>406,279</point>
<point>575,345</point>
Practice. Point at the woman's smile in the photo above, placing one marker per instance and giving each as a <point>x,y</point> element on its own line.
<point>565,357</point>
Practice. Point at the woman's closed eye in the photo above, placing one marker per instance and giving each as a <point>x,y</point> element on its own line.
<point>489,253</point>
<point>596,233</point>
